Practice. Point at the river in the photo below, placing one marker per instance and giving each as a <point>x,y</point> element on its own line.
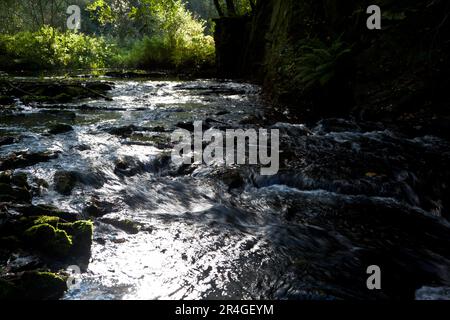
<point>348,195</point>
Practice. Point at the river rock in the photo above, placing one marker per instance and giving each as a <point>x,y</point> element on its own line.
<point>33,285</point>
<point>14,194</point>
<point>20,180</point>
<point>7,140</point>
<point>100,86</point>
<point>60,128</point>
<point>65,181</point>
<point>29,210</point>
<point>49,240</point>
<point>126,225</point>
<point>97,208</point>
<point>24,159</point>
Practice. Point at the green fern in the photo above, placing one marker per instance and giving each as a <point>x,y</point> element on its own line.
<point>318,62</point>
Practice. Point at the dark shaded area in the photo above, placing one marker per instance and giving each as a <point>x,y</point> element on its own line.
<point>318,59</point>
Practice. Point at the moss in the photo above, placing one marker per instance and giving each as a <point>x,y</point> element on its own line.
<point>82,232</point>
<point>53,221</point>
<point>83,229</point>
<point>48,239</point>
<point>42,285</point>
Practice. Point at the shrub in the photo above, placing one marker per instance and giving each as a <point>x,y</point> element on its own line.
<point>157,51</point>
<point>49,48</point>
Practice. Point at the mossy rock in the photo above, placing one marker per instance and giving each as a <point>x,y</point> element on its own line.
<point>99,86</point>
<point>42,285</point>
<point>48,210</point>
<point>53,221</point>
<point>82,233</point>
<point>82,238</point>
<point>48,239</point>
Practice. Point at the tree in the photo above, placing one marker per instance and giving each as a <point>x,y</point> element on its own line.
<point>234,7</point>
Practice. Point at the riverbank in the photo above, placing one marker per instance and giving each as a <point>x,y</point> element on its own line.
<point>318,59</point>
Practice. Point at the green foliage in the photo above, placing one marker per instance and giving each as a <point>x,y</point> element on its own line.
<point>315,63</point>
<point>145,33</point>
<point>49,48</point>
<point>180,38</point>
<point>101,11</point>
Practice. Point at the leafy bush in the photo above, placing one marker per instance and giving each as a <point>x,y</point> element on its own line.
<point>179,41</point>
<point>49,48</point>
<point>148,34</point>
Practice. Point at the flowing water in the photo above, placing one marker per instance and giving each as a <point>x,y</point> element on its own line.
<point>348,195</point>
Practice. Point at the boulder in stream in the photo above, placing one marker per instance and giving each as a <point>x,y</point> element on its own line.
<point>65,181</point>
<point>60,128</point>
<point>23,159</point>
